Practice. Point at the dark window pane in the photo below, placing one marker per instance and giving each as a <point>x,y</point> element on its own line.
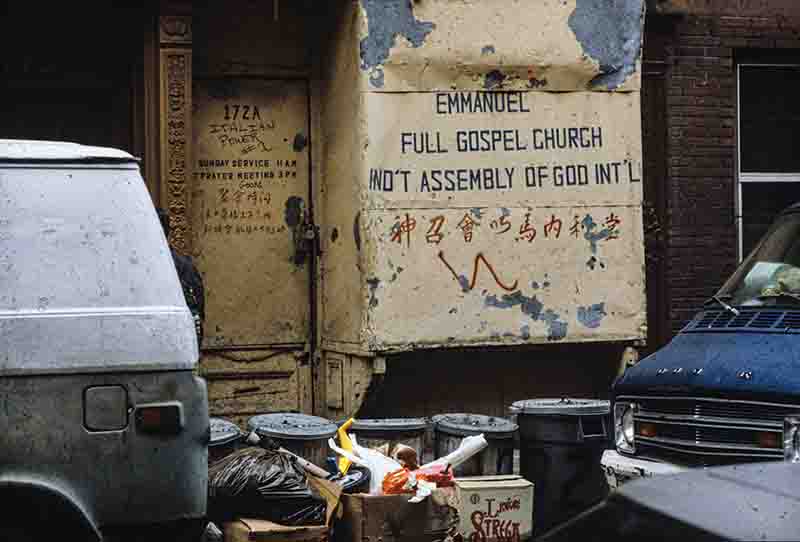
<point>769,118</point>
<point>761,202</point>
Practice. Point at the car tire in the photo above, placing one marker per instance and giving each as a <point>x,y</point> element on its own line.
<point>16,534</point>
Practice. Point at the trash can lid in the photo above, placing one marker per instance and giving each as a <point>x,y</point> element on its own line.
<point>291,425</point>
<point>462,424</point>
<point>565,406</point>
<point>223,431</point>
<point>389,424</point>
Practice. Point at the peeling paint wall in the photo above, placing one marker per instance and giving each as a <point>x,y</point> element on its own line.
<point>611,34</point>
<point>491,209</point>
<point>564,45</point>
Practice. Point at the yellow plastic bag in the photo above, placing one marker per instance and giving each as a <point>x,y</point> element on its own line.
<point>346,444</point>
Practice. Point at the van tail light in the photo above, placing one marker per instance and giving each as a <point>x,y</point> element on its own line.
<point>160,418</point>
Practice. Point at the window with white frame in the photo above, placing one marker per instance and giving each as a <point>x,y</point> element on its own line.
<point>769,157</point>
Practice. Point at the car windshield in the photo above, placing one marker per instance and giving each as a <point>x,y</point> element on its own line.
<point>770,275</point>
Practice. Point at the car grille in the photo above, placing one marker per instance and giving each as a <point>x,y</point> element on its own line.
<point>763,320</point>
<point>694,431</point>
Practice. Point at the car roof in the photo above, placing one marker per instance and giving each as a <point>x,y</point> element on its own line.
<point>755,501</point>
<point>762,497</point>
<point>22,150</point>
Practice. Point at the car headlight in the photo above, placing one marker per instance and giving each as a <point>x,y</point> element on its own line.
<point>623,427</point>
<point>791,438</point>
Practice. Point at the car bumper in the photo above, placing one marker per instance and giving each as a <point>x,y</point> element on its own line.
<point>620,469</point>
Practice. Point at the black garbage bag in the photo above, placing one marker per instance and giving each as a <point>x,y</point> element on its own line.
<point>264,484</point>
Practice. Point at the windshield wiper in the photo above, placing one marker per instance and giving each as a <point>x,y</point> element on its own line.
<point>727,307</point>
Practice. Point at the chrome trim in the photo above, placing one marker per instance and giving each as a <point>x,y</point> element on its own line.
<point>669,444</point>
<point>708,421</point>
<point>633,398</point>
<point>743,429</point>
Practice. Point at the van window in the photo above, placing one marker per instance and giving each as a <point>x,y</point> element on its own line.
<point>771,273</point>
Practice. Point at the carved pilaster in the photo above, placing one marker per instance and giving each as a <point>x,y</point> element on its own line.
<point>176,125</point>
<point>175,29</point>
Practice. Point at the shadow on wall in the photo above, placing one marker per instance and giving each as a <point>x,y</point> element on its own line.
<point>487,381</point>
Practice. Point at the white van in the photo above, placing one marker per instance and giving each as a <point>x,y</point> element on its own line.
<point>103,422</point>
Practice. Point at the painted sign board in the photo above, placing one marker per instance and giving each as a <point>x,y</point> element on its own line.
<point>499,179</point>
<point>517,225</point>
<point>251,182</point>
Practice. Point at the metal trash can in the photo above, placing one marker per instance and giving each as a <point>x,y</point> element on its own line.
<point>225,439</point>
<point>301,434</point>
<point>497,458</point>
<point>373,433</point>
<point>561,444</point>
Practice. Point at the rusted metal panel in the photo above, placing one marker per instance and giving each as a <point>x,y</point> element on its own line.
<point>341,224</point>
<point>334,373</point>
<point>346,380</point>
<point>247,383</point>
<point>251,184</point>
<point>491,209</point>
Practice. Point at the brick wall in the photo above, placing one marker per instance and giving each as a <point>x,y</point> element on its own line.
<point>700,78</point>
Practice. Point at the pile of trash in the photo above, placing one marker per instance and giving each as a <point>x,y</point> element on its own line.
<point>261,479</point>
<point>398,472</point>
<point>262,483</point>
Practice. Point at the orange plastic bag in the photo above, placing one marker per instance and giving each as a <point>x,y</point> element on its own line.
<point>402,481</point>
<point>441,475</point>
<point>398,482</point>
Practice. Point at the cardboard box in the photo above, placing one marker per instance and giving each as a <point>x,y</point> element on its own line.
<point>494,508</point>
<point>391,518</point>
<point>259,530</point>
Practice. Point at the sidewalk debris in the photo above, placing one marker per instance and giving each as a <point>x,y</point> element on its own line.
<point>400,473</point>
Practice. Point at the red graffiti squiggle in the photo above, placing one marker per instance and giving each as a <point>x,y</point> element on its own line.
<point>479,258</point>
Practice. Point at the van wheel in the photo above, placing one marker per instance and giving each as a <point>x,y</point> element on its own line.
<point>16,534</point>
<point>178,531</point>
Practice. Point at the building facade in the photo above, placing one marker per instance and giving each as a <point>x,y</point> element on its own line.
<point>719,115</point>
<point>717,81</point>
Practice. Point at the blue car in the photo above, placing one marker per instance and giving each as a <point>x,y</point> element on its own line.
<point>726,389</point>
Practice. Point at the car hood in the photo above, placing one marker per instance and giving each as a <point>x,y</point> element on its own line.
<point>745,365</point>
